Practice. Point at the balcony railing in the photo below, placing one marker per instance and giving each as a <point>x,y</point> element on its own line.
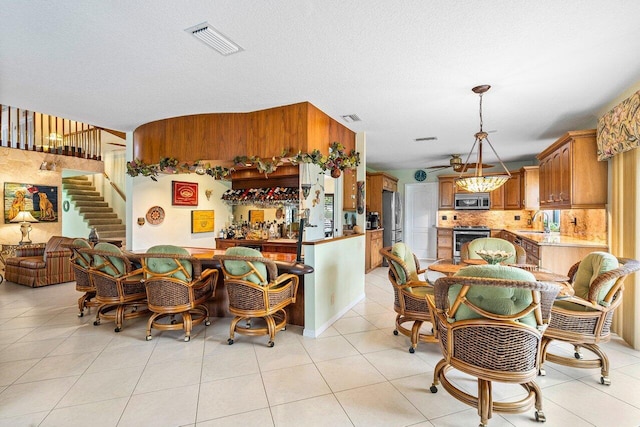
<point>33,131</point>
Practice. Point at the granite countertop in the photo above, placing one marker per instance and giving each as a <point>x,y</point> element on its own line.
<point>553,239</point>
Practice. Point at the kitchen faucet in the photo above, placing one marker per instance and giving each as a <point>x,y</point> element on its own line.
<point>545,219</point>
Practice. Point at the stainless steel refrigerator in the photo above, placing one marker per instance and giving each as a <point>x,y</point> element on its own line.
<point>391,218</point>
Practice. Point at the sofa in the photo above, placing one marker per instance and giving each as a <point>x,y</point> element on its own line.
<point>38,267</point>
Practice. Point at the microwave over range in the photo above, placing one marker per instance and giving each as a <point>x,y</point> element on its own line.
<point>467,201</point>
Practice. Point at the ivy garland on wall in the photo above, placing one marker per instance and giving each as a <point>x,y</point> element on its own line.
<point>336,161</point>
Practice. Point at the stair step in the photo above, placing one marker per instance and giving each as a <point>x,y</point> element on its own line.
<point>111,235</point>
<point>114,227</point>
<point>77,184</point>
<point>74,178</point>
<point>85,198</point>
<point>106,221</point>
<point>100,215</point>
<point>85,193</point>
<point>84,209</point>
<point>91,203</point>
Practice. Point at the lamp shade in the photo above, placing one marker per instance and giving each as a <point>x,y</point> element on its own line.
<point>24,216</point>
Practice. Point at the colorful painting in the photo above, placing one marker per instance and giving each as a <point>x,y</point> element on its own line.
<point>619,129</point>
<point>39,200</point>
<point>184,193</point>
<point>202,221</point>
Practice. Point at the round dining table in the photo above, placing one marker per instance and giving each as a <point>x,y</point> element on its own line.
<point>451,266</point>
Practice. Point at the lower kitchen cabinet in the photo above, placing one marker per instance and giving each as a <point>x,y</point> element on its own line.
<point>445,243</point>
<point>372,258</point>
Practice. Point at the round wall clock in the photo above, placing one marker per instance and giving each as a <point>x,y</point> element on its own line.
<point>420,175</point>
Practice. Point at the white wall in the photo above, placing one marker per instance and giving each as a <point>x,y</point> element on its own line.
<point>176,227</point>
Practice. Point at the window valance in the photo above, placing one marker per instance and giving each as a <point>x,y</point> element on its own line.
<point>619,129</point>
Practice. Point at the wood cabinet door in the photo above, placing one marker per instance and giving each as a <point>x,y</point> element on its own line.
<point>445,244</point>
<point>497,198</point>
<point>376,245</point>
<point>556,177</point>
<point>543,182</point>
<point>446,191</point>
<point>564,172</point>
<point>512,199</point>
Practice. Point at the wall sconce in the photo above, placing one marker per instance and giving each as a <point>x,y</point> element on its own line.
<point>24,218</point>
<point>48,166</point>
<point>208,193</point>
<point>141,221</point>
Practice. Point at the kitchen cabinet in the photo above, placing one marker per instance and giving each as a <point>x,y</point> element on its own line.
<point>445,243</point>
<point>570,174</point>
<point>496,198</point>
<point>529,187</point>
<point>349,191</point>
<point>377,182</point>
<point>372,258</point>
<point>512,192</point>
<point>446,193</point>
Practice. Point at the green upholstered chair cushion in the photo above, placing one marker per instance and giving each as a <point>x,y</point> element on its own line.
<point>404,253</point>
<point>590,267</point>
<point>492,244</point>
<point>83,260</point>
<point>498,300</point>
<point>241,267</point>
<point>164,265</point>
<point>117,262</point>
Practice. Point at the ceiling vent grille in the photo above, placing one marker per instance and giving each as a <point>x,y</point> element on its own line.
<point>426,138</point>
<point>350,118</point>
<point>214,39</point>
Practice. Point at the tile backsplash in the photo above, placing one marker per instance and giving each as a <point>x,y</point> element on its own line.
<point>591,224</point>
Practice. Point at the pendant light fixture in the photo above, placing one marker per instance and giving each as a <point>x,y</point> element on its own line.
<point>479,183</point>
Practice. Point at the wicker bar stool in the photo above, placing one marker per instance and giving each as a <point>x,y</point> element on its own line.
<point>176,286</point>
<point>491,328</point>
<point>256,291</point>
<point>409,293</point>
<point>119,288</point>
<point>584,320</point>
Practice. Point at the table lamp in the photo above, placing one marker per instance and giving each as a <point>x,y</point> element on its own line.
<point>24,218</point>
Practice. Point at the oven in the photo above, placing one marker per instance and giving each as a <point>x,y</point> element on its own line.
<point>464,234</point>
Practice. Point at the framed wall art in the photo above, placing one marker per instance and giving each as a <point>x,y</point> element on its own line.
<point>202,221</point>
<point>41,201</point>
<point>184,193</point>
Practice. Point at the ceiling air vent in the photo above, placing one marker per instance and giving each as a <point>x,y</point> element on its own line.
<point>350,118</point>
<point>426,138</point>
<point>214,39</point>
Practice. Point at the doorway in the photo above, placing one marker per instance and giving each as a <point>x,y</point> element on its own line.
<point>421,201</point>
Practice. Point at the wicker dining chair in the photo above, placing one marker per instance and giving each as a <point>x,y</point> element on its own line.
<point>256,291</point>
<point>584,320</point>
<point>490,320</point>
<point>81,263</point>
<point>468,249</point>
<point>176,286</point>
<point>119,288</point>
<point>409,293</point>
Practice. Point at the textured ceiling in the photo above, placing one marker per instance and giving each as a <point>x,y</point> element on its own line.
<point>405,67</point>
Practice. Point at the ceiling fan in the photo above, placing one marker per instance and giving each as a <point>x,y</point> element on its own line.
<point>456,163</point>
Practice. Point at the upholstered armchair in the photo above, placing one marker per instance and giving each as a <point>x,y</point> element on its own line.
<point>490,320</point>
<point>37,267</point>
<point>584,320</point>
<point>81,263</point>
<point>176,286</point>
<point>256,291</point>
<point>469,249</point>
<point>119,287</point>
<point>410,294</point>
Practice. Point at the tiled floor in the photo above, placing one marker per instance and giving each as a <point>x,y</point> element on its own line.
<point>59,370</point>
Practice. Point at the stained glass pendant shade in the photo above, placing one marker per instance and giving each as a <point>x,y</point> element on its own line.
<point>479,183</point>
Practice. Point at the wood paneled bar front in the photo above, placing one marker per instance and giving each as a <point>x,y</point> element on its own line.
<point>223,136</point>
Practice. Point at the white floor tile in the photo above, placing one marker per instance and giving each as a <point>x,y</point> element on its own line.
<point>171,407</point>
<point>292,384</point>
<point>103,385</point>
<point>161,376</point>
<point>349,372</point>
<point>231,396</point>
<point>22,399</point>
<point>321,349</point>
<point>258,418</point>
<point>104,413</point>
<point>319,411</point>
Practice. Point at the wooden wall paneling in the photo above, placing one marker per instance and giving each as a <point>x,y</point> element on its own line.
<point>318,135</point>
<point>148,140</point>
<point>227,136</point>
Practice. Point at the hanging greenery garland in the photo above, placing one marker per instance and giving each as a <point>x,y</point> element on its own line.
<point>337,160</point>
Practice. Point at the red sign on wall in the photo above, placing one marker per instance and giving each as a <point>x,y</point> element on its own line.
<point>184,193</point>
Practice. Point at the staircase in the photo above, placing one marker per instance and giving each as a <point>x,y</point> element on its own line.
<point>93,208</point>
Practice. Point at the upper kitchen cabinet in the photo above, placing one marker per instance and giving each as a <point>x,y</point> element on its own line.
<point>507,196</point>
<point>570,174</point>
<point>446,192</point>
<point>377,182</point>
<point>529,187</point>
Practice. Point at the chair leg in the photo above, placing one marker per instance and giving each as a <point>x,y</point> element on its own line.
<point>485,401</point>
<point>150,325</point>
<point>232,328</point>
<point>415,333</point>
<point>604,362</point>
<point>540,417</point>
<point>543,355</point>
<point>436,375</point>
